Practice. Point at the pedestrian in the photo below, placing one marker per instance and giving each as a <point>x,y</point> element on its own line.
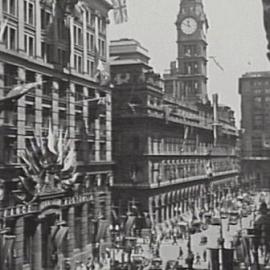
<point>205,255</point>
<point>89,264</point>
<point>174,239</point>
<point>180,253</point>
<point>78,265</point>
<point>83,267</point>
<point>198,258</point>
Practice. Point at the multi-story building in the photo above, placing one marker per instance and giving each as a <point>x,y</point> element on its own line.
<point>254,88</point>
<point>165,149</point>
<point>53,42</point>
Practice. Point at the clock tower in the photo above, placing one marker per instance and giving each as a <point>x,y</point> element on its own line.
<point>192,56</point>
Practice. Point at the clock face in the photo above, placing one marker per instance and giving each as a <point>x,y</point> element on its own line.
<point>189,26</point>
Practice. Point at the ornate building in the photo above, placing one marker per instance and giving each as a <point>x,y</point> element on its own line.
<point>49,213</point>
<point>254,88</point>
<point>174,149</point>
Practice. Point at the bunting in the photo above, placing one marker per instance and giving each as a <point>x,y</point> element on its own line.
<point>120,11</point>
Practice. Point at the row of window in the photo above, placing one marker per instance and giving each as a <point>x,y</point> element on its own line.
<point>11,7</point>
<point>84,151</point>
<point>11,41</point>
<point>192,167</point>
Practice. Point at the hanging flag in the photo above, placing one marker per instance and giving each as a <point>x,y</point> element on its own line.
<point>3,25</point>
<point>17,92</point>
<point>70,160</point>
<point>216,62</point>
<point>215,116</point>
<point>60,148</point>
<point>51,139</point>
<point>102,75</point>
<point>120,11</point>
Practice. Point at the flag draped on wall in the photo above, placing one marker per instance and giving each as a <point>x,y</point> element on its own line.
<point>120,11</point>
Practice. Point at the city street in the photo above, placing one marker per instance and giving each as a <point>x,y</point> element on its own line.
<point>170,250</point>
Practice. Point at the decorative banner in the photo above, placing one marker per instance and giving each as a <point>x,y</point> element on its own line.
<point>120,11</point>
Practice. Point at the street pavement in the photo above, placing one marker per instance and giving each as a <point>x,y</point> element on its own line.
<point>170,251</point>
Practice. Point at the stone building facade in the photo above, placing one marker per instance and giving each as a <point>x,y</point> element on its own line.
<point>174,149</point>
<point>254,88</point>
<point>54,43</point>
<point>167,158</point>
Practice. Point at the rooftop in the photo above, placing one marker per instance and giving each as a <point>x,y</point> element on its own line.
<point>257,74</point>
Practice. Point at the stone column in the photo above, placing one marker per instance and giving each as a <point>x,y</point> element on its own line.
<point>21,115</point>
<point>2,70</point>
<point>38,106</point>
<point>70,223</point>
<point>71,22</point>
<point>20,35</point>
<point>108,128</point>
<point>37,248</point>
<point>55,106</point>
<point>38,28</point>
<point>97,140</point>
<point>19,233</point>
<point>84,31</point>
<point>71,112</point>
<point>84,225</point>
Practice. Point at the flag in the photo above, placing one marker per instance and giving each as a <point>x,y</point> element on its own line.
<point>102,75</point>
<point>216,62</point>
<point>70,160</point>
<point>60,149</point>
<point>51,139</point>
<point>17,92</point>
<point>215,116</point>
<point>3,25</point>
<point>120,11</point>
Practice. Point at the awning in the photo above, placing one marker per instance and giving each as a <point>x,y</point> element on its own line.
<point>60,236</point>
<point>129,223</point>
<point>102,229</point>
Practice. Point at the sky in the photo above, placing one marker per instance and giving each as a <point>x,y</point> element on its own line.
<point>236,37</point>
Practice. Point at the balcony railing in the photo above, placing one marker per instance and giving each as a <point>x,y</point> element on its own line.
<point>194,150</point>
